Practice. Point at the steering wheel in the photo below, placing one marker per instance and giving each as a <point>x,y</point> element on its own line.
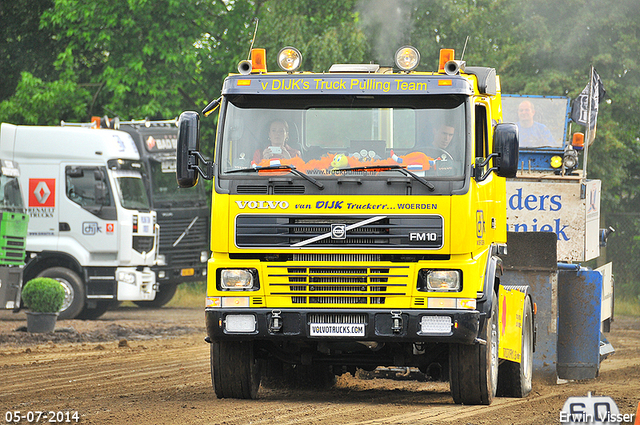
<point>441,153</point>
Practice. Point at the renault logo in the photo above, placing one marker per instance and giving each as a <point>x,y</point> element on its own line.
<point>338,231</point>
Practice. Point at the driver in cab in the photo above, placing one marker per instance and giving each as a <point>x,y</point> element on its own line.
<point>442,137</point>
<point>278,147</point>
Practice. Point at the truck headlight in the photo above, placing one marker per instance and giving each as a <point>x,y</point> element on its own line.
<point>204,256</point>
<point>161,260</point>
<point>238,279</point>
<point>126,277</point>
<point>439,280</point>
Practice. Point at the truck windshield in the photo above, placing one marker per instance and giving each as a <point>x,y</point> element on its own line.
<point>162,169</point>
<point>131,191</point>
<point>10,197</point>
<point>322,135</point>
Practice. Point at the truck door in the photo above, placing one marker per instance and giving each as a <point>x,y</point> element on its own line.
<point>88,212</point>
<point>485,214</point>
<point>40,192</point>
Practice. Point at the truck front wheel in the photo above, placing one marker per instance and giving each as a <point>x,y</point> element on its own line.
<point>73,290</point>
<point>235,371</point>
<point>474,368</point>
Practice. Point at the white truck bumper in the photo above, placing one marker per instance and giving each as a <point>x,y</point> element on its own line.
<point>135,285</point>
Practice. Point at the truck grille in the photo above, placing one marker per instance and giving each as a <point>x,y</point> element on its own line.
<point>338,285</point>
<point>186,252</point>
<point>12,250</point>
<point>338,319</point>
<point>307,231</point>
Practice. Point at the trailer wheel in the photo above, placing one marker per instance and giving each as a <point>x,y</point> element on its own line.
<point>473,369</point>
<point>235,371</point>
<point>73,290</point>
<point>163,296</point>
<point>514,379</point>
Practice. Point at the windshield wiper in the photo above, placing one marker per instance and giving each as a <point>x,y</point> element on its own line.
<point>290,168</point>
<point>399,168</point>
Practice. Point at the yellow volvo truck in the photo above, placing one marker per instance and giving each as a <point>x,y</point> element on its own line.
<point>357,218</point>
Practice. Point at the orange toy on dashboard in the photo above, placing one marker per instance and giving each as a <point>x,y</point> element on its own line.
<point>414,160</point>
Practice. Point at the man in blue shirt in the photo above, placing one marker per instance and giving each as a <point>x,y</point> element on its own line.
<point>532,134</point>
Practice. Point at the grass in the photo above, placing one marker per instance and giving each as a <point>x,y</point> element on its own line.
<point>626,307</point>
<point>189,294</point>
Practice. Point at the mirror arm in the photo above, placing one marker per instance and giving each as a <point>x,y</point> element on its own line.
<point>477,170</point>
<point>208,174</point>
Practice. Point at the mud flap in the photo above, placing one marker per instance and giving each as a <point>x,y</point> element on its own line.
<point>511,300</point>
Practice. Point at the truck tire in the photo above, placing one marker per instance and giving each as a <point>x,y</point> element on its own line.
<point>235,371</point>
<point>473,369</point>
<point>163,296</point>
<point>73,288</point>
<point>514,379</point>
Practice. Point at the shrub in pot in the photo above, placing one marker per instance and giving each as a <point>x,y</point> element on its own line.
<point>44,297</point>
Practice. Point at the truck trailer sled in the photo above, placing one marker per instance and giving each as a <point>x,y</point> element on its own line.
<point>90,223</point>
<point>554,228</point>
<point>183,246</point>
<point>357,219</point>
<point>13,233</point>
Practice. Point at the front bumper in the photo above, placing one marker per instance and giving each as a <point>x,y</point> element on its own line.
<point>379,325</point>
<point>141,285</point>
<point>177,275</point>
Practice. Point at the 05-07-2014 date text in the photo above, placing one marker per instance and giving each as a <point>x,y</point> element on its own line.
<point>44,416</point>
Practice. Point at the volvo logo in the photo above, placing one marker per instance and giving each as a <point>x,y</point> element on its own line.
<point>338,231</point>
<point>262,205</point>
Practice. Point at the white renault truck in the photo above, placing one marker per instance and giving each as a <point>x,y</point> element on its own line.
<point>90,223</point>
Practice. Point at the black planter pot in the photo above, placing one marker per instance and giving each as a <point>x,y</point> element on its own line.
<point>41,322</point>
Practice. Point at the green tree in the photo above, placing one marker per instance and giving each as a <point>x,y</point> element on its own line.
<point>140,55</point>
<point>325,32</point>
<point>37,102</point>
<point>24,45</point>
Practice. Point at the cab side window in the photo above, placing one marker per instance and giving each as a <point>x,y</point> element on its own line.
<point>89,188</point>
<point>481,135</point>
<point>482,142</point>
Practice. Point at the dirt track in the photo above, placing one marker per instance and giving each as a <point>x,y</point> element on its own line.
<point>152,367</point>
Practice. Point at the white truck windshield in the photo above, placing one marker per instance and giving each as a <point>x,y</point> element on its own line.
<point>131,191</point>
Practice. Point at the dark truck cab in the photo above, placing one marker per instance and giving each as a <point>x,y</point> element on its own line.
<point>183,217</point>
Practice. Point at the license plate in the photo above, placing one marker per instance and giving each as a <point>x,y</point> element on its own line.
<point>188,272</point>
<point>336,329</point>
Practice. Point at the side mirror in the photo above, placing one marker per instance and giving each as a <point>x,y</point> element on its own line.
<point>506,145</point>
<point>188,142</point>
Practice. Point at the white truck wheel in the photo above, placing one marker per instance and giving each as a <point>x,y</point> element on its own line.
<point>73,288</point>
